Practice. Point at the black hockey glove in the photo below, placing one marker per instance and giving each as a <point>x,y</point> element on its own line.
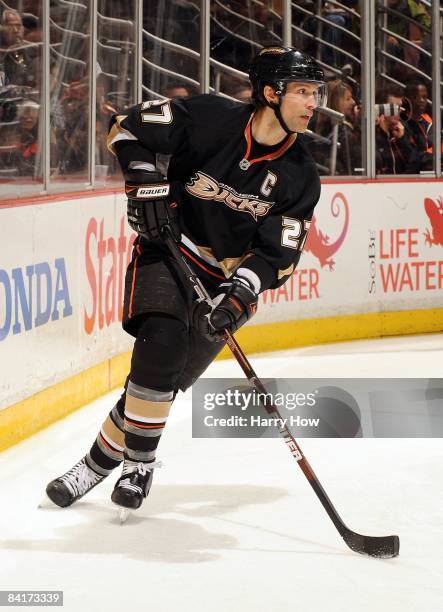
<point>236,305</point>
<point>149,204</point>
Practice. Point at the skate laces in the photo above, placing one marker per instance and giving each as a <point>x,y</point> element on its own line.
<point>130,467</point>
<point>80,478</point>
<point>134,468</point>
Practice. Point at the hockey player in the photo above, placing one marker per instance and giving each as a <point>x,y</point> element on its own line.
<point>239,195</point>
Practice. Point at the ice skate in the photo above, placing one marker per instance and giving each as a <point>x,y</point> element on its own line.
<point>67,489</point>
<point>133,486</point>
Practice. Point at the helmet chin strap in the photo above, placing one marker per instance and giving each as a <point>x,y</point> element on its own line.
<point>277,110</point>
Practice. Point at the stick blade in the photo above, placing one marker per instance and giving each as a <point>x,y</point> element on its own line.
<point>385,547</point>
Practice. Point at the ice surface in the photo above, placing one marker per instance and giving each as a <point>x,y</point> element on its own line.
<point>233,524</point>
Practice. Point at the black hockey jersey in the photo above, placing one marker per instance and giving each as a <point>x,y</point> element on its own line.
<point>241,202</point>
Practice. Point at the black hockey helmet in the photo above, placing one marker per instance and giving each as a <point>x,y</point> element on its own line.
<point>277,66</point>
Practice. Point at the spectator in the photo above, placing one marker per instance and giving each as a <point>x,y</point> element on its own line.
<point>19,58</point>
<point>31,14</point>
<point>75,155</point>
<point>178,21</point>
<point>178,90</point>
<point>394,153</point>
<point>9,151</point>
<point>243,94</point>
<point>69,122</point>
<point>341,17</point>
<point>390,93</point>
<point>12,30</point>
<point>104,112</point>
<point>416,31</point>
<point>269,14</point>
<point>228,46</point>
<point>336,16</point>
<point>33,31</point>
<point>340,99</point>
<point>27,136</point>
<point>419,124</point>
<point>305,26</point>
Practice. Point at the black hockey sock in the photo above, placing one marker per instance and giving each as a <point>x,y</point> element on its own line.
<point>158,359</point>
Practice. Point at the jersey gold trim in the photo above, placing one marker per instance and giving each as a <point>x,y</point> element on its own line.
<point>285,272</point>
<point>227,266</point>
<point>207,254</point>
<point>230,264</point>
<point>114,131</point>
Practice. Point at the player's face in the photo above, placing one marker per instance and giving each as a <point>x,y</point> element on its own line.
<point>298,105</point>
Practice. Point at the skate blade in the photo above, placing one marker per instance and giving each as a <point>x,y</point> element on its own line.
<point>123,514</point>
<point>46,503</point>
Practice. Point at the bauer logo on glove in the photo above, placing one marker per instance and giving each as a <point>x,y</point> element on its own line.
<point>150,209</point>
<point>148,192</point>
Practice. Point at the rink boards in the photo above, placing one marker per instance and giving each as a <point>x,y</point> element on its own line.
<point>372,266</point>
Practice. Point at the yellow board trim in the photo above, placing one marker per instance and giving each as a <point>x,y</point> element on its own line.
<point>34,413</point>
<point>292,334</point>
<point>29,416</point>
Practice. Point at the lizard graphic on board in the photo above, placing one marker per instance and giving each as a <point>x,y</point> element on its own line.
<point>317,242</point>
<point>434,210</point>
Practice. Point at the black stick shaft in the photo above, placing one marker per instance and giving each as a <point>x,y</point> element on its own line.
<point>250,374</point>
<point>384,547</point>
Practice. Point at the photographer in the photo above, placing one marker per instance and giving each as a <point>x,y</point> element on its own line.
<point>394,154</point>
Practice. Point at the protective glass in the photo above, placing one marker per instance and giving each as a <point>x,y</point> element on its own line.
<point>308,89</point>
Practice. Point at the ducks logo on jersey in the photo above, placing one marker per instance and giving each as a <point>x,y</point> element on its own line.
<point>203,186</point>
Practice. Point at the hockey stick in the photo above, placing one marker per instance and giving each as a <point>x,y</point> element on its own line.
<point>383,547</point>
